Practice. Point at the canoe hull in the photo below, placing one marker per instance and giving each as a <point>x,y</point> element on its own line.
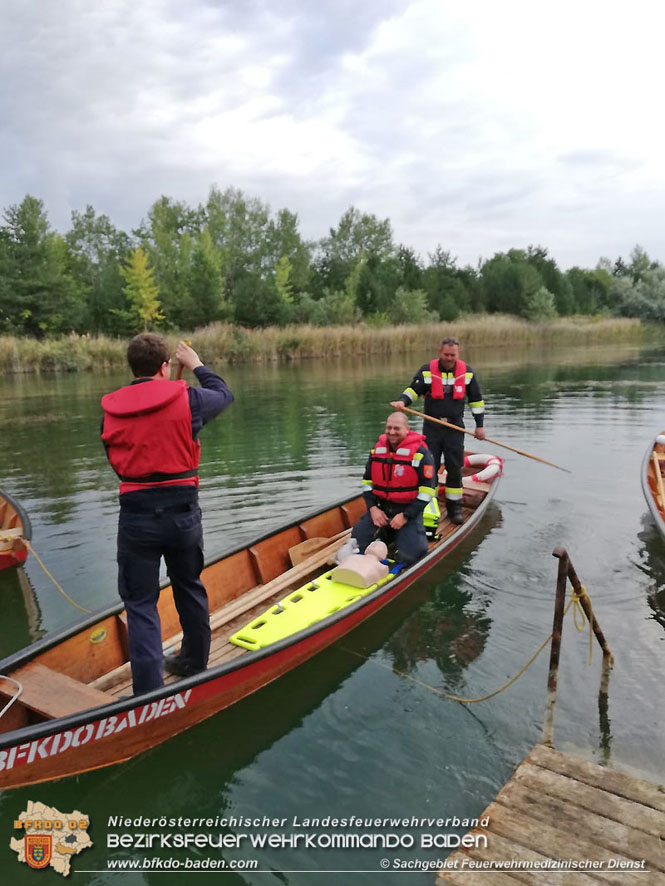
<point>116,732</point>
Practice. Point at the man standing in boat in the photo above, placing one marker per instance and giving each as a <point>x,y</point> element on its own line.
<point>445,383</point>
<point>399,483</point>
<point>150,431</point>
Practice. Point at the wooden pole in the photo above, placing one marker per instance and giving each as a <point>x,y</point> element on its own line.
<point>561,553</point>
<point>447,424</point>
<point>659,481</point>
<point>555,649</point>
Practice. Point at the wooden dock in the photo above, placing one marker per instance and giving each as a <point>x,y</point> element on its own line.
<point>566,809</point>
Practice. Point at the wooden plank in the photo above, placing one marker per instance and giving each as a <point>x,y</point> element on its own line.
<point>556,839</point>
<point>502,849</point>
<point>476,878</point>
<point>592,798</point>
<point>607,833</point>
<point>636,789</point>
<point>84,656</point>
<point>229,578</point>
<point>54,695</point>
<point>261,574</point>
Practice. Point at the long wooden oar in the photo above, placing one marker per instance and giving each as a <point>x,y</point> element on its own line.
<point>447,424</point>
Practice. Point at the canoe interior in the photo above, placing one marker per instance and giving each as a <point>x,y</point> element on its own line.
<point>15,528</point>
<point>653,481</point>
<point>91,667</point>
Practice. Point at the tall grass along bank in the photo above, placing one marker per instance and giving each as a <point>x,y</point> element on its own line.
<point>223,343</point>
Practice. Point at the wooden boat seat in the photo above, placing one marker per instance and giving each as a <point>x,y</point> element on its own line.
<point>9,536</point>
<point>52,694</point>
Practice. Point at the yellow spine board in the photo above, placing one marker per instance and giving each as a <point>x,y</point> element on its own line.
<point>299,609</point>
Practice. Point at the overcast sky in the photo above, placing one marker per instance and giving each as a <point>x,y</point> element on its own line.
<point>480,126</point>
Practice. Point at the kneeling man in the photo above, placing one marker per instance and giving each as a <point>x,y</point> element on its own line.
<point>399,483</point>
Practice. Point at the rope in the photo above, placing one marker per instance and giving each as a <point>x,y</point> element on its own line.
<point>58,586</point>
<point>574,601</point>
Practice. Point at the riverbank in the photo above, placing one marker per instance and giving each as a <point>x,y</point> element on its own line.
<point>223,344</point>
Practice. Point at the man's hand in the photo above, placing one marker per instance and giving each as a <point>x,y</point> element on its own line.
<point>187,356</point>
<point>379,518</point>
<point>397,404</point>
<point>398,521</point>
<point>479,433</point>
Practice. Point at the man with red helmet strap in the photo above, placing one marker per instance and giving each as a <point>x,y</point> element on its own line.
<point>150,431</point>
<point>399,483</point>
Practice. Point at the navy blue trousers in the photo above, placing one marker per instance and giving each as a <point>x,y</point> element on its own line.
<point>143,539</point>
<point>447,446</point>
<point>411,538</point>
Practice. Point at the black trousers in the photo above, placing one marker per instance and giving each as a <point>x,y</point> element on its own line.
<point>144,537</point>
<point>447,446</point>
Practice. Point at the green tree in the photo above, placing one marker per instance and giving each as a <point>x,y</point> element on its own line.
<point>410,306</point>
<point>509,282</point>
<point>553,279</point>
<point>98,249</point>
<point>39,292</point>
<point>167,236</point>
<point>357,235</point>
<point>206,284</point>
<point>141,290</point>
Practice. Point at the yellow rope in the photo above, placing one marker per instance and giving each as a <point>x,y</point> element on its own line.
<point>58,586</point>
<point>574,601</point>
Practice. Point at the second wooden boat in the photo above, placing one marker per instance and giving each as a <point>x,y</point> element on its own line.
<point>653,482</point>
<point>15,530</point>
<point>67,708</point>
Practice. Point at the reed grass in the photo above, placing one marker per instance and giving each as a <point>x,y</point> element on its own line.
<point>223,344</point>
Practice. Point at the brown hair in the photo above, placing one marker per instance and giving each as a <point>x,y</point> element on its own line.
<point>146,353</point>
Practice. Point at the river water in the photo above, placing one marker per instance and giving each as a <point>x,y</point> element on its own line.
<point>360,730</point>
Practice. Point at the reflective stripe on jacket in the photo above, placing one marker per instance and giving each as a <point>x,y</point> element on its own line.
<point>148,435</point>
<point>394,472</point>
<point>457,379</point>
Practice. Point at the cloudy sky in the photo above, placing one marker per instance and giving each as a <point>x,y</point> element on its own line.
<point>480,126</point>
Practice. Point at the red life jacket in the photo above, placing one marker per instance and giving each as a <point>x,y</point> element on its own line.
<point>148,435</point>
<point>394,478</point>
<point>459,385</point>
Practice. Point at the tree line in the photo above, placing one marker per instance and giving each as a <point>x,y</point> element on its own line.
<point>231,259</point>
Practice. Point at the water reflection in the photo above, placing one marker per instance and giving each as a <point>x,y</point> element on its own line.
<point>449,629</point>
<point>652,562</point>
<point>21,613</point>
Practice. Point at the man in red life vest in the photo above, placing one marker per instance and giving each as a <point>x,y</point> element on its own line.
<point>399,483</point>
<point>445,383</point>
<point>150,431</point>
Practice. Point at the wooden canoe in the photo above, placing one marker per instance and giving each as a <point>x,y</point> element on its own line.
<point>653,480</point>
<point>71,716</point>
<point>15,530</point>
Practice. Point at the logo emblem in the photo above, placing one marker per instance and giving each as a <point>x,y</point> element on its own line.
<point>428,471</point>
<point>399,470</point>
<point>38,849</point>
<point>50,838</point>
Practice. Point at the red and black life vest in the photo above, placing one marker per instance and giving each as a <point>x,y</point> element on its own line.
<point>394,476</point>
<point>459,385</point>
<point>148,435</point>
